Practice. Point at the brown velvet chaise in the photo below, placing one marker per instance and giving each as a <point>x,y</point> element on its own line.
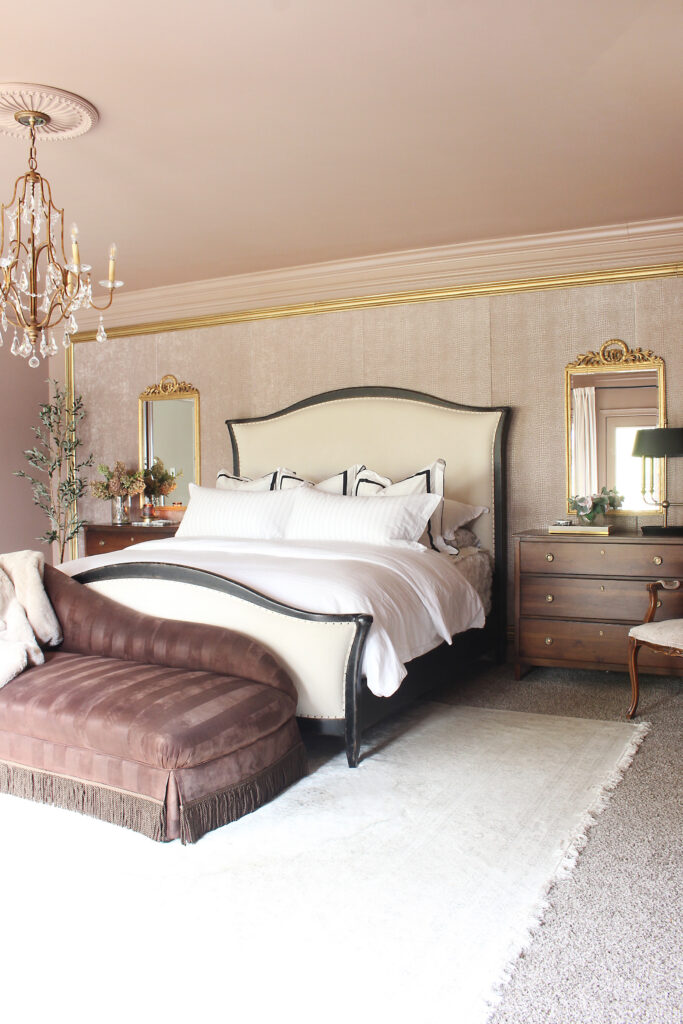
<point>168,728</point>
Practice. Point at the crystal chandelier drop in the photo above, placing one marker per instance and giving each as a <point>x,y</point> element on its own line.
<point>40,287</point>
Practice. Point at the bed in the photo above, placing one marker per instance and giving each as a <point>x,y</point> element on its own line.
<point>330,653</point>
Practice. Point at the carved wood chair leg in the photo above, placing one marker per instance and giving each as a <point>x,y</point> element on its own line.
<point>633,650</point>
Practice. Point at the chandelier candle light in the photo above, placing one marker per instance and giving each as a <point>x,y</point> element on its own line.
<point>40,288</point>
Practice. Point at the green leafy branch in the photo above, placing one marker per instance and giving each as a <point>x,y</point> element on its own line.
<point>56,456</point>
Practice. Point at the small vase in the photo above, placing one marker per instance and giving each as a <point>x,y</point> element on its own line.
<point>147,511</point>
<point>119,512</point>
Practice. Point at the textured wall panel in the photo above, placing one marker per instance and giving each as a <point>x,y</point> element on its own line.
<point>500,350</point>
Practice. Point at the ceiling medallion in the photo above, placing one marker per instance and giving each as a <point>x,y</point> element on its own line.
<point>40,287</point>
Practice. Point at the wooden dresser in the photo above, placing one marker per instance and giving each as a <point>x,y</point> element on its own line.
<point>101,538</point>
<point>577,597</point>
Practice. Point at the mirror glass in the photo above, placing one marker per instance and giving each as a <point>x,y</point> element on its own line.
<point>609,395</point>
<point>169,430</point>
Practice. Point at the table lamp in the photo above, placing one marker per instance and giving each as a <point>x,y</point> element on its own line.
<point>659,443</point>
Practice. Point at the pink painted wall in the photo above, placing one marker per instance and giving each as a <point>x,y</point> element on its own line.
<point>21,391</point>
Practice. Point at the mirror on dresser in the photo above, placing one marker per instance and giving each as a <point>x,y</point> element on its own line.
<point>168,422</point>
<point>609,395</point>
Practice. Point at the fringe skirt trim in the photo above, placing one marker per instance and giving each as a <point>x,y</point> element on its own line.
<point>209,812</point>
<point>148,816</point>
<point>120,807</point>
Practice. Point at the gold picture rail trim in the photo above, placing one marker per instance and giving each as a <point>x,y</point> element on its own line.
<point>390,299</point>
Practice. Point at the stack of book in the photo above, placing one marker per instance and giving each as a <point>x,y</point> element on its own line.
<point>581,528</point>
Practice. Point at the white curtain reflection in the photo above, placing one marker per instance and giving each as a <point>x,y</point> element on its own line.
<point>584,442</point>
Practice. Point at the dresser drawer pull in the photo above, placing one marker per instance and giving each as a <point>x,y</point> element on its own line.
<point>549,598</point>
<point>659,604</point>
<point>657,560</point>
<point>101,543</point>
<point>602,586</point>
<point>549,557</point>
<point>602,551</point>
<point>132,540</point>
<point>602,632</point>
<point>548,641</point>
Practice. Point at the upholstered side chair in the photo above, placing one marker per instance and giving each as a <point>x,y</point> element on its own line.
<point>665,637</point>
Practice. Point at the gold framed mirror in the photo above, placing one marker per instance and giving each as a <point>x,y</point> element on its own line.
<point>609,395</point>
<point>168,429</point>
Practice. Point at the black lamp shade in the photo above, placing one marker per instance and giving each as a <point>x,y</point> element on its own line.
<point>658,442</point>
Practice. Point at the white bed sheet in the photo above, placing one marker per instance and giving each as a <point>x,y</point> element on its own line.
<point>417,597</point>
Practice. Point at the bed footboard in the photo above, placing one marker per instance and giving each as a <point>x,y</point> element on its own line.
<point>322,652</point>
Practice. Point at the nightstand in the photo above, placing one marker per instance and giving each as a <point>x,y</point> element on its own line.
<point>577,597</point>
<point>101,538</point>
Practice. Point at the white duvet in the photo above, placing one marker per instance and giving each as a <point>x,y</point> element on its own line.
<point>416,597</point>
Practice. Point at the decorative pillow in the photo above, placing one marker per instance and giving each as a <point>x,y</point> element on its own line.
<point>425,481</point>
<point>457,514</point>
<point>257,515</point>
<point>331,517</point>
<point>462,538</point>
<point>284,479</point>
<point>226,481</point>
<point>341,483</point>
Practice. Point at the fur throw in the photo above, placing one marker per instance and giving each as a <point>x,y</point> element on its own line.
<point>27,618</point>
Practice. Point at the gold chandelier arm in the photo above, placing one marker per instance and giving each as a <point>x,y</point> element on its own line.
<point>15,306</point>
<point>101,309</point>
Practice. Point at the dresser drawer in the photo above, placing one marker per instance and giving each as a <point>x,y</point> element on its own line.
<point>589,643</point>
<point>601,559</point>
<point>102,540</point>
<point>589,598</point>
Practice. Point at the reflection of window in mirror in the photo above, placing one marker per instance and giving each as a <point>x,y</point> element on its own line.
<point>625,470</point>
<point>607,409</point>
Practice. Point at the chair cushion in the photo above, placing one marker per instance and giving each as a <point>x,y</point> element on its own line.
<point>170,718</point>
<point>668,633</point>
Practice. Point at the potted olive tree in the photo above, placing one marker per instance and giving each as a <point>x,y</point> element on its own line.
<point>56,457</point>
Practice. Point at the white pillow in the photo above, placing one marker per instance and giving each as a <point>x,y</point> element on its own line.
<point>273,481</point>
<point>429,480</point>
<point>457,514</point>
<point>341,483</point>
<point>332,517</point>
<point>257,515</point>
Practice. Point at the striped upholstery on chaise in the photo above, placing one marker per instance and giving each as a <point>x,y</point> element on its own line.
<point>171,728</point>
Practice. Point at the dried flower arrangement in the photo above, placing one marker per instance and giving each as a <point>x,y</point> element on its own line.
<point>159,481</point>
<point>118,482</point>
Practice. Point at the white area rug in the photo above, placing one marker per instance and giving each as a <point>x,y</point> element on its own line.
<point>401,891</point>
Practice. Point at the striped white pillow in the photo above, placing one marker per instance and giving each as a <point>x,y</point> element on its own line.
<point>429,480</point>
<point>316,515</point>
<point>256,515</point>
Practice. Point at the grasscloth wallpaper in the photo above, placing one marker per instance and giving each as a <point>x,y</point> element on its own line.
<point>489,350</point>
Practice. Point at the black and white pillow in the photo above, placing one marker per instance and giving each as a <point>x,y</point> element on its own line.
<point>282,479</point>
<point>429,480</point>
<point>272,481</point>
<point>341,483</point>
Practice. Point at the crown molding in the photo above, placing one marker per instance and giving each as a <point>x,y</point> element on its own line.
<point>466,268</point>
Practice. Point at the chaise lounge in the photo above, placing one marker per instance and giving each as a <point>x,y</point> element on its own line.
<point>165,727</point>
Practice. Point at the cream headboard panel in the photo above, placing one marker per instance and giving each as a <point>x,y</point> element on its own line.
<point>392,431</point>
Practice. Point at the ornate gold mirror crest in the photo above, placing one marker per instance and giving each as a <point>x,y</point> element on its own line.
<point>609,395</point>
<point>168,429</point>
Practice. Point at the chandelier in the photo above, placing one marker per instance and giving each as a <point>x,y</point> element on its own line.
<point>41,287</point>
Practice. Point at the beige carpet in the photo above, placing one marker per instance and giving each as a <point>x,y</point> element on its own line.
<point>402,891</point>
